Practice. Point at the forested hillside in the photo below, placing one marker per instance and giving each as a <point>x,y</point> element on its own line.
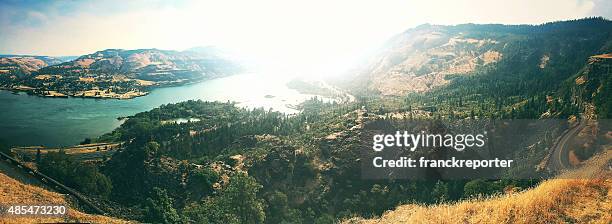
<point>529,78</point>
<point>241,165</point>
<point>496,60</point>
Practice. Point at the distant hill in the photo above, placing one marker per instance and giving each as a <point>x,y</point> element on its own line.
<point>21,65</point>
<point>146,64</point>
<point>112,73</point>
<point>47,59</point>
<point>429,56</point>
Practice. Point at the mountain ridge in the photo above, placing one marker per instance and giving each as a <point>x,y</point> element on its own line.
<point>114,73</point>
<point>428,56</point>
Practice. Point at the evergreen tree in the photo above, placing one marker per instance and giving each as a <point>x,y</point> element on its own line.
<point>440,192</point>
<point>160,209</point>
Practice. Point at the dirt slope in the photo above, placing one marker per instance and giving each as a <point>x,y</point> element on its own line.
<point>13,191</point>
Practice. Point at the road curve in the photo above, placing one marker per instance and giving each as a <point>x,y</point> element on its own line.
<point>559,158</point>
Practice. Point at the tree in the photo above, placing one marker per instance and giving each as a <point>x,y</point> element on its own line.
<point>278,210</point>
<point>476,187</point>
<point>201,182</point>
<point>277,206</point>
<point>325,219</point>
<point>127,171</point>
<point>237,203</point>
<point>89,180</point>
<point>210,211</point>
<point>440,192</point>
<point>160,209</point>
<point>83,177</point>
<point>240,197</point>
<point>38,157</point>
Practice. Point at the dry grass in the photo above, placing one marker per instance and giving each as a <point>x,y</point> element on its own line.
<point>573,158</point>
<point>602,56</point>
<point>14,192</point>
<point>562,200</point>
<point>79,149</point>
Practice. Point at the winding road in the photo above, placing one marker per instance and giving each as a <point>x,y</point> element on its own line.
<point>559,158</point>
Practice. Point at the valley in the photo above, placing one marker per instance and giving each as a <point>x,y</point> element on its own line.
<point>256,149</point>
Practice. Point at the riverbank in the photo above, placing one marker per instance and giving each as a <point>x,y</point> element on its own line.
<point>65,121</point>
<point>93,93</point>
<point>142,89</point>
<point>320,88</point>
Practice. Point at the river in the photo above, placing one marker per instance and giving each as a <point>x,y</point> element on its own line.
<point>27,120</point>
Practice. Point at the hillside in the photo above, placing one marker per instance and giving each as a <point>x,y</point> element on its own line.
<point>305,168</point>
<point>234,165</point>
<point>581,196</point>
<point>147,64</point>
<point>588,90</point>
<point>429,56</point>
<point>553,70</point>
<point>13,191</point>
<point>114,73</point>
<point>19,66</point>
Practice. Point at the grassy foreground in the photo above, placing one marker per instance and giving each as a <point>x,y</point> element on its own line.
<point>580,196</point>
<point>15,192</point>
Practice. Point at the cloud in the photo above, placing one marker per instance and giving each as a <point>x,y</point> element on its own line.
<point>602,8</point>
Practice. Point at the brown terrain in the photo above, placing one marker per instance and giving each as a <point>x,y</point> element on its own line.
<point>95,151</point>
<point>111,73</point>
<point>420,59</point>
<point>603,56</point>
<point>25,64</point>
<point>579,196</point>
<point>15,192</point>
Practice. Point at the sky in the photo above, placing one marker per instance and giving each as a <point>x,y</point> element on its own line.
<point>318,36</point>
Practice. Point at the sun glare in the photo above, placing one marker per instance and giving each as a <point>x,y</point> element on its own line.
<point>291,38</point>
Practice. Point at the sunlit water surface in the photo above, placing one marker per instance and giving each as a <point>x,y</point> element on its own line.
<point>31,120</point>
